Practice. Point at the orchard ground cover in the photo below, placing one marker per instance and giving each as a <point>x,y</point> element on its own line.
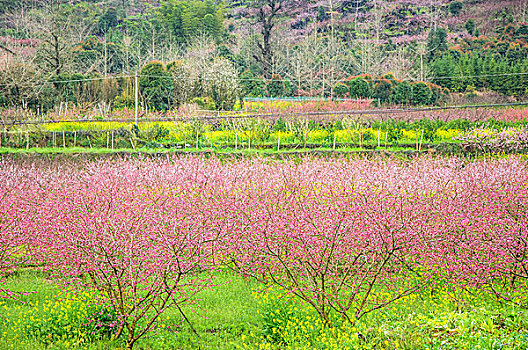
<point>256,253</point>
<point>297,132</point>
<point>237,315</point>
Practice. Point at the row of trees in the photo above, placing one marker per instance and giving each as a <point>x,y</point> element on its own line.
<point>388,89</point>
<point>82,38</point>
<point>212,85</point>
<point>496,63</point>
<point>165,87</point>
<point>162,87</point>
<point>346,238</point>
<point>469,72</point>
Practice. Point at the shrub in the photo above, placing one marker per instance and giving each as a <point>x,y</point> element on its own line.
<point>72,318</point>
<point>206,103</point>
<point>437,93</point>
<point>341,90</point>
<point>421,93</point>
<point>156,86</point>
<point>276,87</point>
<point>359,88</point>
<point>252,85</point>
<point>390,77</point>
<point>383,90</point>
<point>403,93</point>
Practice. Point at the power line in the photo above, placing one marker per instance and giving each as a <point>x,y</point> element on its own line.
<point>45,82</point>
<point>373,78</point>
<point>293,80</point>
<point>479,76</point>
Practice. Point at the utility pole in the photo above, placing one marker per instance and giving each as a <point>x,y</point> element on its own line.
<point>331,47</point>
<point>136,91</point>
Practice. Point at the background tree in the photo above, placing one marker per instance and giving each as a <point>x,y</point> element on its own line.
<point>16,88</point>
<point>222,84</point>
<point>455,8</point>
<point>436,43</point>
<point>368,55</point>
<point>107,20</point>
<point>156,86</point>
<point>360,87</point>
<point>184,81</point>
<point>58,26</point>
<point>276,87</point>
<point>266,13</point>
<point>470,26</point>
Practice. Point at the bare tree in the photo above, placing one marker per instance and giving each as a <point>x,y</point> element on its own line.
<point>520,11</point>
<point>304,65</point>
<point>266,14</point>
<point>399,63</point>
<point>18,70</point>
<point>17,82</point>
<point>337,62</point>
<point>369,57</point>
<point>59,28</point>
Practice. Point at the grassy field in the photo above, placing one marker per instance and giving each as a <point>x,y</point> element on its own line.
<point>192,150</point>
<point>237,314</point>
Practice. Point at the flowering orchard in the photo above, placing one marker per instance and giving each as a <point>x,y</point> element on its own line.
<point>347,238</point>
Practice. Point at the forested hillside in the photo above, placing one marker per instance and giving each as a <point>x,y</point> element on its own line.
<point>212,53</point>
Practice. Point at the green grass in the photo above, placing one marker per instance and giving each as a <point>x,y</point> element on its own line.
<point>221,317</point>
<point>230,316</point>
<point>245,151</point>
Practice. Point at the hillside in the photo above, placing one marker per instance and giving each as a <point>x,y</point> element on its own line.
<point>271,47</point>
<point>399,19</point>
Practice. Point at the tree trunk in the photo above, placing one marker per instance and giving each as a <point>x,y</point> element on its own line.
<point>267,20</point>
<point>56,51</point>
<point>130,340</point>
